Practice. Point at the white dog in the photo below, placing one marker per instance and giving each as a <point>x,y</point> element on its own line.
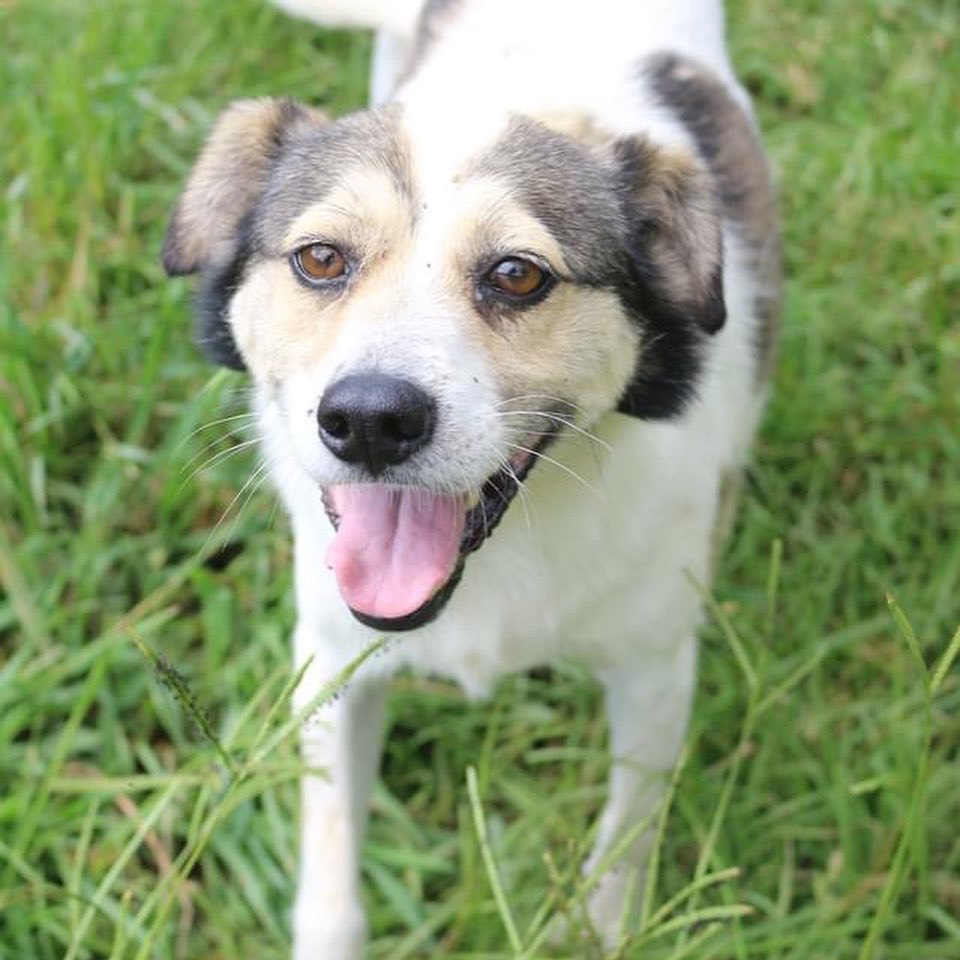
<point>546,262</point>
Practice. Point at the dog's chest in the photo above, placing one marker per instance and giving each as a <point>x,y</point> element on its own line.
<point>591,554</point>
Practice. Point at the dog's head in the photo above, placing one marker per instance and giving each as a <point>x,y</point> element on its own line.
<point>426,319</point>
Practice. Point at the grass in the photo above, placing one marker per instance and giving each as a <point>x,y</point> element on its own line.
<point>815,814</point>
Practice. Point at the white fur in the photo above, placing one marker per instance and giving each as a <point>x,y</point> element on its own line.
<point>398,16</point>
<point>596,561</point>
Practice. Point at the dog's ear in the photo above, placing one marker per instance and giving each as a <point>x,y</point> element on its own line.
<point>227,180</point>
<point>674,230</point>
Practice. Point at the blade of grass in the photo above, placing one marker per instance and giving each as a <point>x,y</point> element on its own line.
<point>912,822</point>
<point>177,684</point>
<point>131,847</point>
<point>480,826</point>
<point>945,663</point>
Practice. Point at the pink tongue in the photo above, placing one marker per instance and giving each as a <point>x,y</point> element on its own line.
<point>394,548</point>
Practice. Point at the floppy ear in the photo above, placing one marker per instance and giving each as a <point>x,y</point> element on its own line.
<point>675,239</point>
<point>227,180</point>
<point>207,229</point>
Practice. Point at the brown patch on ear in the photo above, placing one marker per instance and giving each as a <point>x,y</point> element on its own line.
<point>674,229</point>
<point>726,137</point>
<point>227,179</point>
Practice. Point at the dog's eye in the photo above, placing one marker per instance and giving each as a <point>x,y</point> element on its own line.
<point>517,277</point>
<point>319,263</point>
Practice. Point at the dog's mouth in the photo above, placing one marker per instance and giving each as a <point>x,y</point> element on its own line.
<point>399,552</point>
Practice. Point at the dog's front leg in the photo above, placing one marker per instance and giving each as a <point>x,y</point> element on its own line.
<point>342,744</point>
<point>648,704</point>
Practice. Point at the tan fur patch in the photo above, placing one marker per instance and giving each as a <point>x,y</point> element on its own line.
<point>728,140</point>
<point>282,327</point>
<point>675,193</point>
<point>576,347</point>
<point>226,180</point>
<point>482,218</point>
<point>363,211</point>
<point>578,125</point>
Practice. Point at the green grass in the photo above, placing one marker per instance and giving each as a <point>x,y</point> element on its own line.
<point>830,782</point>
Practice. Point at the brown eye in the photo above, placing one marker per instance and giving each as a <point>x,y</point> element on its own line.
<point>319,263</point>
<point>517,277</point>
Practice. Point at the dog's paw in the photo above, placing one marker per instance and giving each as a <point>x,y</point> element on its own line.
<point>614,904</point>
<point>319,934</point>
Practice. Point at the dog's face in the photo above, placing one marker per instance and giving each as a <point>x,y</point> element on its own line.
<point>426,319</point>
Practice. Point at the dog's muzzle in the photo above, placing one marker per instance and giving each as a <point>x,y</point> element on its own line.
<point>399,551</point>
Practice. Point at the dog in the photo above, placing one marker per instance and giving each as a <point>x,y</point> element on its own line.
<point>545,262</point>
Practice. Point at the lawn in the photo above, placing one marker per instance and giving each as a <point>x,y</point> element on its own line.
<point>149,809</point>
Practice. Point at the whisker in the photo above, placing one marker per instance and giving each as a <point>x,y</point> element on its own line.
<point>483,512</point>
<point>569,404</point>
<point>274,510</point>
<point>255,481</point>
<point>552,416</point>
<point>522,491</point>
<point>249,415</point>
<point>216,440</point>
<point>217,457</point>
<point>556,463</point>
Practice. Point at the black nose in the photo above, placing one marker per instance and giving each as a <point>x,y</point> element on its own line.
<point>375,420</point>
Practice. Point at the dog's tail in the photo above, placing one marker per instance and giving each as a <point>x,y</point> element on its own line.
<point>399,17</point>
